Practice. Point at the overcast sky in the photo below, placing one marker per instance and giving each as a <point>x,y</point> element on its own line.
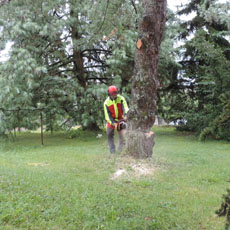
<point>172,4</point>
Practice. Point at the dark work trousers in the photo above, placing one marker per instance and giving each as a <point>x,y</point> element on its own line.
<point>110,135</point>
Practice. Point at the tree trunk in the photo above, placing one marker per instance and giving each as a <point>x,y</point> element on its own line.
<point>141,116</point>
<point>92,127</point>
<point>77,56</point>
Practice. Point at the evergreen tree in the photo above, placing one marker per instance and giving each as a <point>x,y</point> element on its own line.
<point>145,83</point>
<point>203,80</point>
<point>59,57</point>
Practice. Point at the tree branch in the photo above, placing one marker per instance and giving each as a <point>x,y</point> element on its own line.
<point>96,50</point>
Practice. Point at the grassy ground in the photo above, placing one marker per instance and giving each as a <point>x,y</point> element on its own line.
<point>72,188</point>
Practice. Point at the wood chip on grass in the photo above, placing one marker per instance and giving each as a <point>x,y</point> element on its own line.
<point>38,164</point>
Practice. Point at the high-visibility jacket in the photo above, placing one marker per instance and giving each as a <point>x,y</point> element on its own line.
<point>115,110</point>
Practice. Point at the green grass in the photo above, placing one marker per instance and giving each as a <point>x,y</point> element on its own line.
<point>73,189</point>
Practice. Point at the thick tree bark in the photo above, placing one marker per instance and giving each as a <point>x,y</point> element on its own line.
<point>79,70</point>
<point>141,117</point>
<point>78,61</point>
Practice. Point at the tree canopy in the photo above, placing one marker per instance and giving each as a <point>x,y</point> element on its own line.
<point>65,53</point>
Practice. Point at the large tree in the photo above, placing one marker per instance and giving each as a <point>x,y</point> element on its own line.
<point>145,83</point>
<point>202,86</point>
<point>61,56</point>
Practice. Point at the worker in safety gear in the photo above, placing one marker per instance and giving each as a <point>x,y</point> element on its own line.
<point>115,108</point>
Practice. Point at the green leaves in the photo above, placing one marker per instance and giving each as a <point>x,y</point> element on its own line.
<point>60,60</point>
<point>191,88</point>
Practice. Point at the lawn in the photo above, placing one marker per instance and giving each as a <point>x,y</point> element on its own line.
<point>69,184</point>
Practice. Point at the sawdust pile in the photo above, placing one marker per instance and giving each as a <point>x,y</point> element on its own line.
<point>129,167</point>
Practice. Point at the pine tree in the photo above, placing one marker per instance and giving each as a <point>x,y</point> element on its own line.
<point>58,59</point>
<point>145,83</point>
<point>204,76</point>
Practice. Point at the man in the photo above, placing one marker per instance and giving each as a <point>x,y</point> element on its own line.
<point>115,108</point>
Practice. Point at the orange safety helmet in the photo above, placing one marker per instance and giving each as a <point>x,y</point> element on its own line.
<point>112,90</point>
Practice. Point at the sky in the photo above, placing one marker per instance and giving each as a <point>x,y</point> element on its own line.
<point>172,4</point>
<point>4,53</point>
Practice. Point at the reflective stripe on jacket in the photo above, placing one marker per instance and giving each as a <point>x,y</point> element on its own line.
<point>115,109</point>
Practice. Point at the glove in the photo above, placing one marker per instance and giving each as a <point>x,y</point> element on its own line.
<point>115,125</point>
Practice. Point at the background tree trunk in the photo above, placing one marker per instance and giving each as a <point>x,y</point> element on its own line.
<point>141,117</point>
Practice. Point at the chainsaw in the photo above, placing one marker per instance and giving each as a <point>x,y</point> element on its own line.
<point>122,124</point>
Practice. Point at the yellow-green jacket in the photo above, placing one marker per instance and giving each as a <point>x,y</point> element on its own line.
<point>115,110</point>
